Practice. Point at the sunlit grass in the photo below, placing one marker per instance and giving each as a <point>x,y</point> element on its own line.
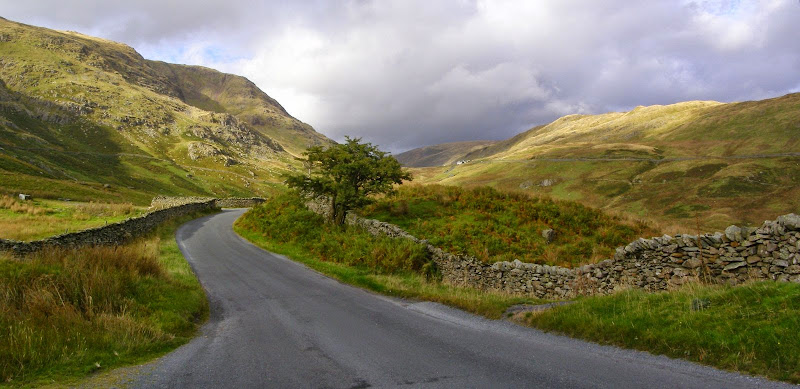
<point>502,226</point>
<point>31,220</point>
<point>68,313</point>
<point>750,328</point>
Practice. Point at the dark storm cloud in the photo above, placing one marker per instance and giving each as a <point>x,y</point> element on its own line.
<point>407,73</point>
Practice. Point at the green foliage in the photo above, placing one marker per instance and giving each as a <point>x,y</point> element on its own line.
<point>498,226</point>
<point>750,328</point>
<point>347,174</point>
<point>67,313</point>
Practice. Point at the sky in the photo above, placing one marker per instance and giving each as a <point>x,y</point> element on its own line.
<point>409,73</point>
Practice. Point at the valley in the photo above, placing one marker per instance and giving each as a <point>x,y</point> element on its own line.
<point>555,216</point>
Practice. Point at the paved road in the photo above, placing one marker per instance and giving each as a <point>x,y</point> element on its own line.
<point>275,323</point>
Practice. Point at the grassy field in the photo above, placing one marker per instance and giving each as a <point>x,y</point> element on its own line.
<point>389,266</point>
<point>750,329</point>
<point>67,314</point>
<point>37,219</point>
<point>502,226</point>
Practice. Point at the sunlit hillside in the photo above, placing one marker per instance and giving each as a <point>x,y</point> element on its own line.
<point>693,165</point>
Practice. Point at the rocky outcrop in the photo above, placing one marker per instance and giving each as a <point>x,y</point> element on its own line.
<point>770,252</point>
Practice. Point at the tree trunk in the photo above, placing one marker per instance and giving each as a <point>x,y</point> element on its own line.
<point>332,216</point>
<point>340,215</point>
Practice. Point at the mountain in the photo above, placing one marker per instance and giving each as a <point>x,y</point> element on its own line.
<point>89,118</point>
<point>691,165</point>
<point>441,154</point>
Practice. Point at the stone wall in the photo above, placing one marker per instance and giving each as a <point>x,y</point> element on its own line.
<point>161,202</point>
<point>770,252</point>
<point>112,234</point>
<point>239,202</point>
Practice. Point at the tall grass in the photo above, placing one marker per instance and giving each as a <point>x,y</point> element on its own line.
<point>503,226</point>
<point>65,313</point>
<point>17,206</point>
<point>95,209</point>
<point>750,328</point>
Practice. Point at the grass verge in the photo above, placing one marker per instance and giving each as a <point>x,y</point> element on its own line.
<point>393,267</point>
<point>69,313</point>
<point>750,328</point>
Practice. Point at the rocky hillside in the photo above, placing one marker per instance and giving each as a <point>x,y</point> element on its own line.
<point>88,118</point>
<point>697,164</point>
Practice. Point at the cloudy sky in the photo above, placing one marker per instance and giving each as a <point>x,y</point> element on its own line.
<point>407,73</point>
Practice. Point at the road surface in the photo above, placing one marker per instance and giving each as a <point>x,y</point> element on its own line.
<point>275,323</point>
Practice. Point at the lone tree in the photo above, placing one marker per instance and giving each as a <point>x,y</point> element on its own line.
<point>347,174</point>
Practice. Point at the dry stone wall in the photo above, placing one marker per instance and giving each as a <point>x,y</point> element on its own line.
<point>160,202</point>
<point>769,252</point>
<point>239,202</point>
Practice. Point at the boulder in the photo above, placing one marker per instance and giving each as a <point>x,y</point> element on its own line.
<point>790,221</point>
<point>733,233</point>
<point>549,235</point>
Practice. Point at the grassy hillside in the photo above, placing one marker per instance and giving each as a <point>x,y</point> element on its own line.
<point>688,166</point>
<point>87,118</point>
<point>495,226</point>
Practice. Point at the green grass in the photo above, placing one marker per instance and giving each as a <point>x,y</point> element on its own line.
<point>395,267</point>
<point>501,226</point>
<point>65,314</point>
<point>38,219</point>
<point>750,329</point>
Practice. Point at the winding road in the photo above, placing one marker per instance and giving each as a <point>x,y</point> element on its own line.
<point>276,324</point>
